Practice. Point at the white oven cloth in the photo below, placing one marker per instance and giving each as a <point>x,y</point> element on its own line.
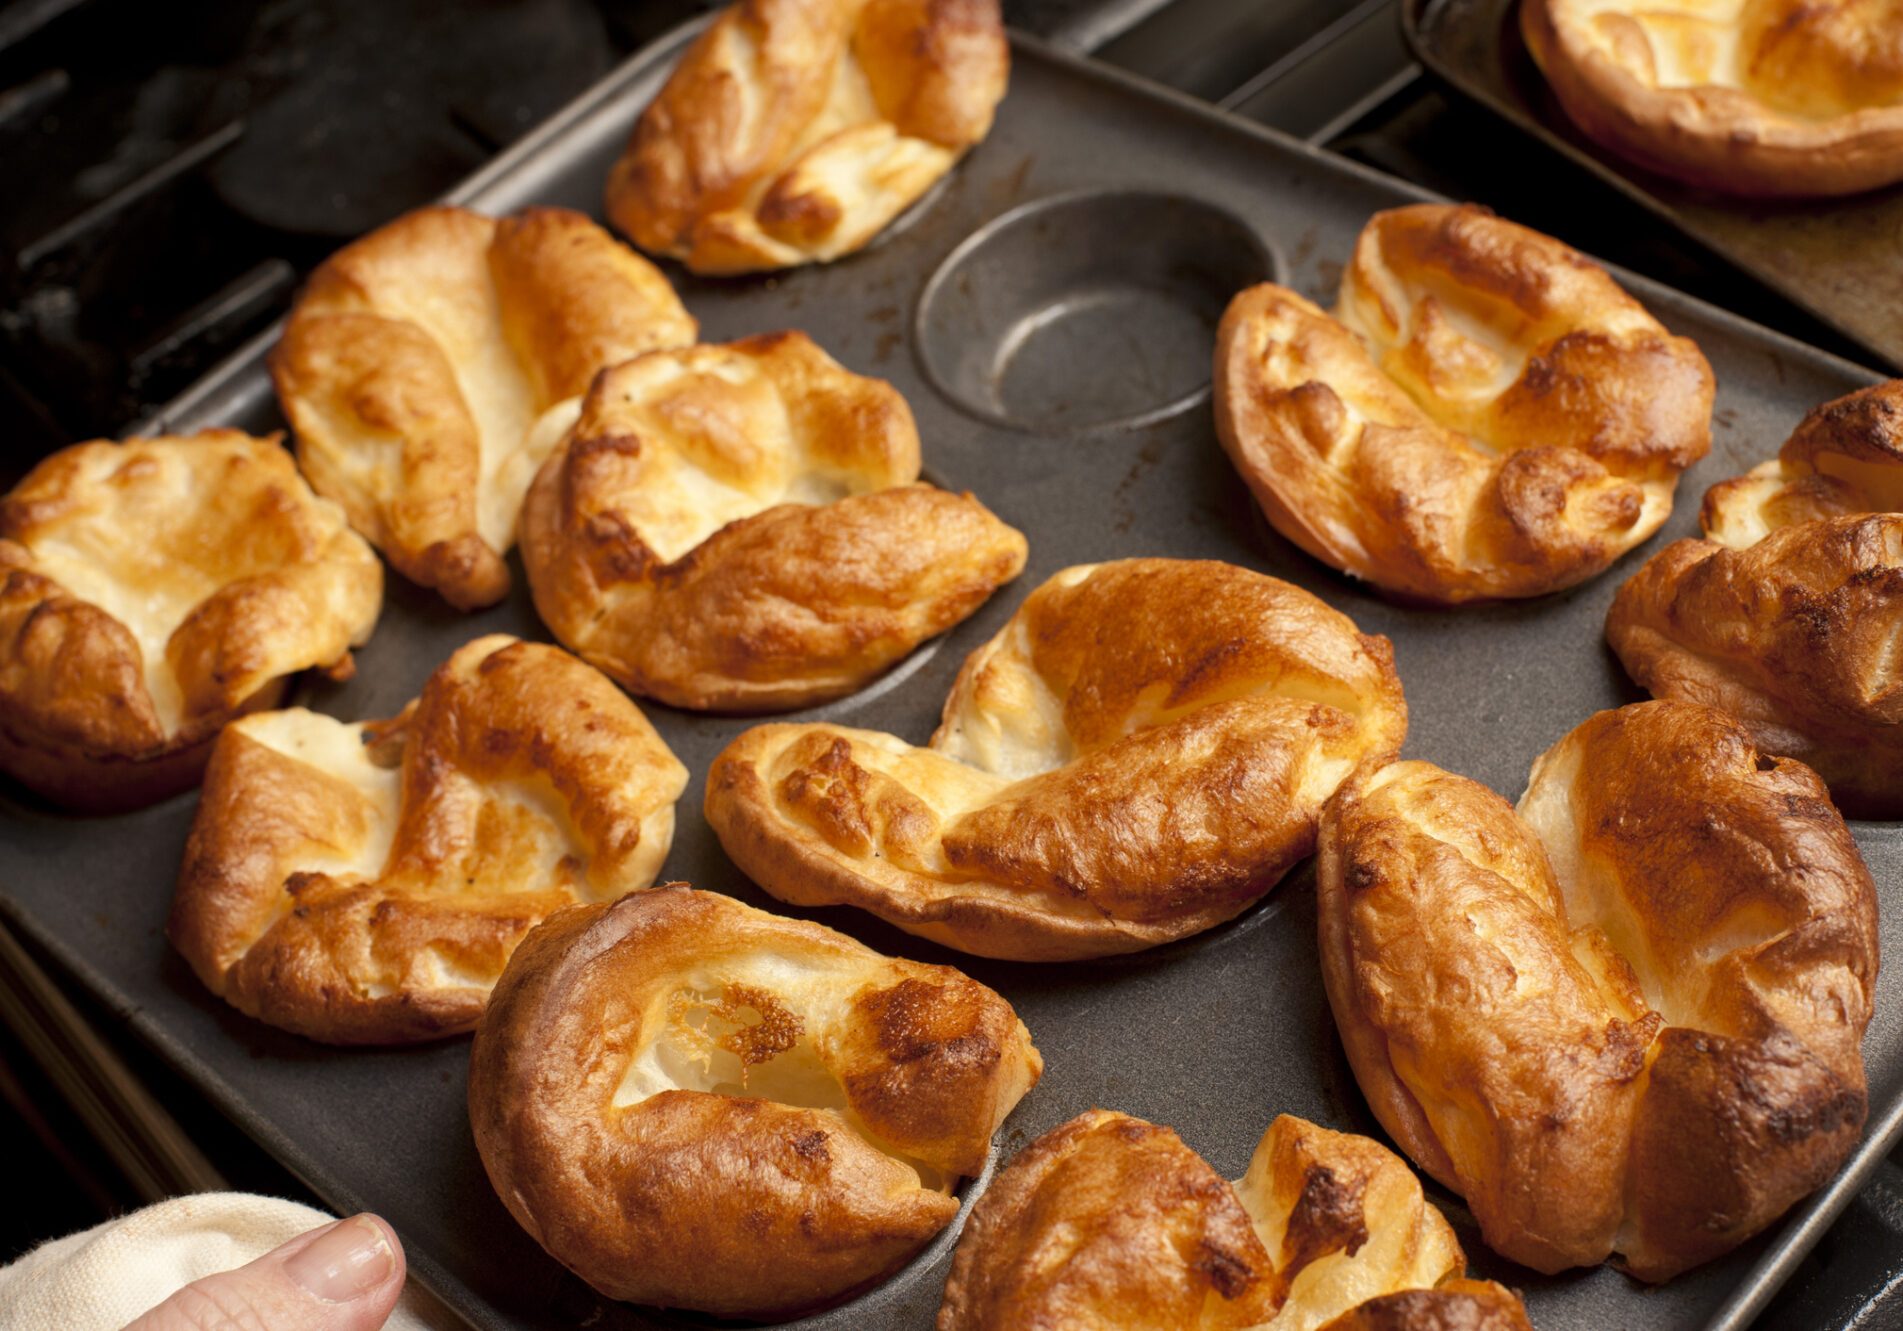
<point>102,1278</point>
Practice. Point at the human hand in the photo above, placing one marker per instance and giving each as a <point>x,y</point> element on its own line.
<point>344,1276</point>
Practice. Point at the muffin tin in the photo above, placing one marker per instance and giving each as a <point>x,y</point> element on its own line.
<point>1049,314</point>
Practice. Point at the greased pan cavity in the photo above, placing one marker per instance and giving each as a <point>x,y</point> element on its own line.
<point>1049,313</point>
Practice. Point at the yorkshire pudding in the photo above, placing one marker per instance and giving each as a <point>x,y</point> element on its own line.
<point>735,527</point>
<point>1789,614</point>
<point>1327,1229</point>
<point>1485,414</point>
<point>428,368</point>
<point>1766,97</point>
<point>152,590</point>
<point>795,130</point>
<point>364,884</point>
<point>1627,1019</point>
<point>693,1103</point>
<point>1140,752</point>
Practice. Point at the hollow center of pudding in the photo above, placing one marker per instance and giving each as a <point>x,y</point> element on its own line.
<point>166,537</point>
<point>339,761</point>
<point>1012,724</point>
<point>1676,43</point>
<point>463,316</point>
<point>734,1039</point>
<point>150,609</point>
<point>741,1039</point>
<point>718,444</point>
<point>1452,359</point>
<point>1804,59</point>
<point>1476,364</point>
<point>503,404</point>
<point>1008,721</point>
<point>463,838</point>
<point>1739,512</point>
<point>1599,899</point>
<point>1879,483</point>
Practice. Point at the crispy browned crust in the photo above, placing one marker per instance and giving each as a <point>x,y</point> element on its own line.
<point>573,300</point>
<point>254,577</point>
<point>727,1202</point>
<point>1795,636</point>
<point>787,603</point>
<point>1485,414</point>
<point>1814,107</point>
<point>1627,1020</point>
<point>438,340</point>
<point>1152,1238</point>
<point>1844,457</point>
<point>795,130</point>
<point>1788,614</point>
<point>1138,754</point>
<point>286,909</point>
<point>100,783</point>
<point>1457,1305</point>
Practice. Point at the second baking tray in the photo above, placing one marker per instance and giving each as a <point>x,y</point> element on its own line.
<point>1049,314</point>
<point>1839,259</point>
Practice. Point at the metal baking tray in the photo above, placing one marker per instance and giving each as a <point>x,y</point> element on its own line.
<point>1839,259</point>
<point>1069,272</point>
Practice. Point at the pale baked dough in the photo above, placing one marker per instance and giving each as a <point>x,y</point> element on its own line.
<point>1138,754</point>
<point>152,590</point>
<point>1108,1223</point>
<point>428,368</point>
<point>365,883</point>
<point>693,1103</point>
<point>1767,97</point>
<point>1485,414</point>
<point>1789,613</point>
<point>1625,1020</point>
<point>795,130</point>
<point>736,527</point>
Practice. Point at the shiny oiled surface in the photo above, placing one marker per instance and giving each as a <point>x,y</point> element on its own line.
<point>1214,1035</point>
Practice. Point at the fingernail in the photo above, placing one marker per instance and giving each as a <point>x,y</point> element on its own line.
<point>344,1262</point>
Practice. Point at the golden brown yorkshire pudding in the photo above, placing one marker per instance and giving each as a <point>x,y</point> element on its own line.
<point>693,1103</point>
<point>1627,1019</point>
<point>1789,614</point>
<point>736,527</point>
<point>795,130</point>
<point>428,368</point>
<point>365,884</point>
<point>1141,752</point>
<point>1767,97</point>
<point>152,590</point>
<point>1485,414</point>
<point>1326,1229</point>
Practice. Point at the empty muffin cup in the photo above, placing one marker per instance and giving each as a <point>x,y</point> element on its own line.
<point>1086,311</point>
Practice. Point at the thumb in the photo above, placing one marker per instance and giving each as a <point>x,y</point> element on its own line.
<point>344,1276</point>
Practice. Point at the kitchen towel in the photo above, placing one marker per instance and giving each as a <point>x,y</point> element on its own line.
<point>102,1278</point>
